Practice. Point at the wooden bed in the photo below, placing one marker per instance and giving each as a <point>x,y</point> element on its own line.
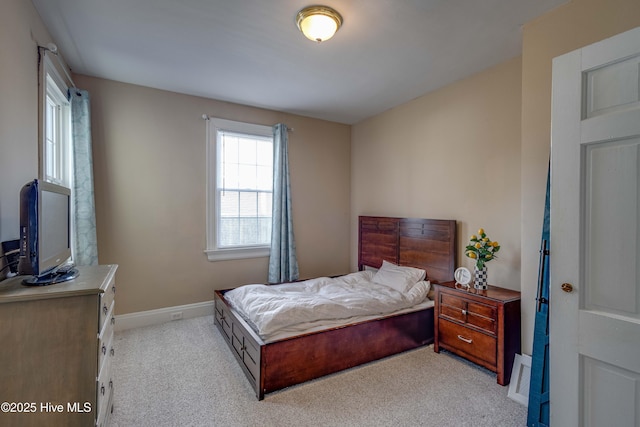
<point>424,243</point>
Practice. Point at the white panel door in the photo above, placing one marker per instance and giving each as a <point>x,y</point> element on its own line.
<point>594,310</point>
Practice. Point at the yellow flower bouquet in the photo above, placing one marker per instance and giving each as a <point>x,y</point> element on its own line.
<point>481,249</point>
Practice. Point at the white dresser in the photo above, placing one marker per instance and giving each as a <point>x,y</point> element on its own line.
<point>56,350</point>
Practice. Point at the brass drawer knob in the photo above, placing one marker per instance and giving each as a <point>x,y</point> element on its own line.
<point>567,287</point>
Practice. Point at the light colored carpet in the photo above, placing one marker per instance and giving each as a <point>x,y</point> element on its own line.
<point>183,374</point>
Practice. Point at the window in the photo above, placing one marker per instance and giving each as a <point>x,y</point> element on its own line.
<point>240,189</point>
<point>56,128</point>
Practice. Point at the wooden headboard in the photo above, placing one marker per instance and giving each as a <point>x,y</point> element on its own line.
<point>429,244</point>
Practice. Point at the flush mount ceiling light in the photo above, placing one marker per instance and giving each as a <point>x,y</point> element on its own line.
<point>318,23</point>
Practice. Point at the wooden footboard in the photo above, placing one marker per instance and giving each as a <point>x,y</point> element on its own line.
<point>276,365</point>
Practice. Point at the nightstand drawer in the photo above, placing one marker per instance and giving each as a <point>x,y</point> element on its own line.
<point>452,307</point>
<point>467,341</point>
<point>482,316</point>
<point>481,310</point>
<point>453,301</point>
<point>453,313</point>
<point>469,312</point>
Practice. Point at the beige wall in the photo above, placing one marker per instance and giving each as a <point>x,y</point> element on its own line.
<point>451,154</point>
<point>567,28</point>
<point>20,32</point>
<point>150,176</point>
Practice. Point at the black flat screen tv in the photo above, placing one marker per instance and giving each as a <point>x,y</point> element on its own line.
<point>45,234</point>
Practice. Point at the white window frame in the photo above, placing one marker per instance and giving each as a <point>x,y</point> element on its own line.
<point>214,127</point>
<point>54,89</point>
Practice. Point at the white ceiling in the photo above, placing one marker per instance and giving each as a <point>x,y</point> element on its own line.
<point>251,52</point>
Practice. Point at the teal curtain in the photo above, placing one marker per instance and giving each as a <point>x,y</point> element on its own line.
<point>283,263</point>
<point>85,244</point>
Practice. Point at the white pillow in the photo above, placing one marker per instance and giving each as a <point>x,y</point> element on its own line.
<point>419,291</point>
<point>373,270</point>
<point>398,277</point>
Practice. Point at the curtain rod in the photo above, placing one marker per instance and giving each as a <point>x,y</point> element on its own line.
<point>51,47</point>
<point>208,117</point>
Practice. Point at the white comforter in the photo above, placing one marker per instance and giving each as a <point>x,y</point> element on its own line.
<point>272,308</point>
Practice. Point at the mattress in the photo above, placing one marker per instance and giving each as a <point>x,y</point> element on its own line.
<point>277,312</point>
<point>309,327</point>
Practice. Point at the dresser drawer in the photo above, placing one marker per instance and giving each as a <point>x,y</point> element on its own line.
<point>106,300</point>
<point>105,415</point>
<point>105,342</point>
<point>465,340</point>
<point>104,390</point>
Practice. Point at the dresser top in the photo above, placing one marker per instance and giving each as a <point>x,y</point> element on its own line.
<point>493,292</point>
<point>90,280</point>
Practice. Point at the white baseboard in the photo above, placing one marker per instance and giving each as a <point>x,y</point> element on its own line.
<point>162,315</point>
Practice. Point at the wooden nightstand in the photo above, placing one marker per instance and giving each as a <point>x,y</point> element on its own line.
<point>481,326</point>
